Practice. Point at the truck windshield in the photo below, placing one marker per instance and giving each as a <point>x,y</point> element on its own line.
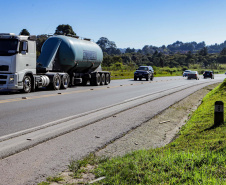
<point>8,47</point>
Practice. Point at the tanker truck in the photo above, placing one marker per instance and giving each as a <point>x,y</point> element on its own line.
<point>64,61</point>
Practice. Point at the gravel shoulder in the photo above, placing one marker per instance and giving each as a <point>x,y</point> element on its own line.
<point>158,131</point>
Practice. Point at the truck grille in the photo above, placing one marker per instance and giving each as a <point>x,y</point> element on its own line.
<point>4,68</point>
<point>3,76</point>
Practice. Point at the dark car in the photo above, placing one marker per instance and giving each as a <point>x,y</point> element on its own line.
<point>146,72</point>
<point>208,74</point>
<point>185,73</point>
<point>193,75</point>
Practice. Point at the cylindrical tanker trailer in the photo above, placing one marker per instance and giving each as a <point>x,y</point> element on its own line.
<point>64,61</point>
<point>76,57</point>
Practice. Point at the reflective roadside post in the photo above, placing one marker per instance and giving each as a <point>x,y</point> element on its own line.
<point>219,113</point>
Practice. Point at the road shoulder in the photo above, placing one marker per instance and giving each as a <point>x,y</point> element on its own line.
<point>160,130</point>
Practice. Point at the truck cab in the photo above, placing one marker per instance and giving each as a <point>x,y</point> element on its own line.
<point>17,61</point>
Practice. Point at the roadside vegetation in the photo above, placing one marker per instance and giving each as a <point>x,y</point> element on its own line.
<point>196,156</point>
<point>124,72</point>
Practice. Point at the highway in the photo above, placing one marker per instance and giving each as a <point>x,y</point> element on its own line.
<point>21,111</point>
<point>70,123</point>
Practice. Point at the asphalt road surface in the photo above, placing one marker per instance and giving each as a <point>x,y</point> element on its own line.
<point>74,118</point>
<point>46,106</point>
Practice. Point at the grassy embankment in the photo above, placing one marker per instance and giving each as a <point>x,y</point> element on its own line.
<point>159,72</point>
<point>196,156</point>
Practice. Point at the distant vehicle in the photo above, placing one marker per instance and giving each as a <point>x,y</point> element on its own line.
<point>185,73</point>
<point>146,72</point>
<point>208,74</point>
<point>193,75</point>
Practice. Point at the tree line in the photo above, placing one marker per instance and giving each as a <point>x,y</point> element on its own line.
<point>178,54</point>
<point>175,55</point>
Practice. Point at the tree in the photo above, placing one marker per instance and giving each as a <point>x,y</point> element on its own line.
<point>64,29</point>
<point>223,51</point>
<point>24,32</point>
<point>128,50</point>
<point>108,47</point>
<point>161,61</point>
<point>40,40</point>
<point>104,43</point>
<point>203,51</point>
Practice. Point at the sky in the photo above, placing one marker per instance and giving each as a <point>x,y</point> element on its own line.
<point>129,23</point>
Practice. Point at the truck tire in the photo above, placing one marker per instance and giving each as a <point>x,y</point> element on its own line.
<point>107,79</point>
<point>96,79</point>
<point>56,82</point>
<point>102,79</point>
<point>27,84</point>
<point>65,80</point>
<point>135,78</point>
<point>147,78</point>
<point>84,81</point>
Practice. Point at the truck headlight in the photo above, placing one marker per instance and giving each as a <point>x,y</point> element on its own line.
<point>11,79</point>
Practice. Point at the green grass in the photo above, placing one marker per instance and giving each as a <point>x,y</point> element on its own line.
<point>117,75</point>
<point>197,156</point>
<point>77,167</point>
<point>52,179</point>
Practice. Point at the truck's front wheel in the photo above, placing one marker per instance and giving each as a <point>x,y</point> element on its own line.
<point>27,84</point>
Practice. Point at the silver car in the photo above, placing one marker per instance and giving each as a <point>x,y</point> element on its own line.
<point>193,75</point>
<point>185,73</point>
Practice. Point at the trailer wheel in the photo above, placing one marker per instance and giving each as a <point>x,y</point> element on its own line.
<point>27,84</point>
<point>96,79</point>
<point>56,82</point>
<point>65,81</point>
<point>102,79</point>
<point>107,79</point>
<point>84,81</point>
